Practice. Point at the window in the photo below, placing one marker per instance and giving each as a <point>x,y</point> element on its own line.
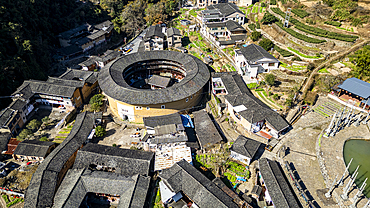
<point>147,108</point>
<point>138,107</point>
<point>191,97</point>
<point>271,64</point>
<point>222,28</point>
<point>187,100</point>
<point>163,107</point>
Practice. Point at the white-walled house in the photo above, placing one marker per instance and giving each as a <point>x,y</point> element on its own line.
<point>244,149</point>
<point>253,59</point>
<point>154,38</point>
<point>222,12</point>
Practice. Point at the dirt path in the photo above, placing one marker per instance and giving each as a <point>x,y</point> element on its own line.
<point>327,62</point>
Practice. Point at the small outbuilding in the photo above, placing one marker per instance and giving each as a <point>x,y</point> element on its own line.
<point>244,149</point>
<point>33,150</point>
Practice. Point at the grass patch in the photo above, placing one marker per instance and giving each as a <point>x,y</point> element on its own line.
<point>323,70</point>
<point>64,132</point>
<point>252,85</point>
<point>295,68</point>
<point>6,199</point>
<point>303,55</point>
<point>193,13</point>
<point>60,137</point>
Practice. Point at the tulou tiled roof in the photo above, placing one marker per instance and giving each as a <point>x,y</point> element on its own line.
<point>40,192</point>
<point>132,190</point>
<point>225,8</point>
<point>125,161</point>
<point>113,84</point>
<point>155,121</point>
<point>184,177</point>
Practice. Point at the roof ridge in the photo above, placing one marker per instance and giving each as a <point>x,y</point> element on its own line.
<point>276,180</point>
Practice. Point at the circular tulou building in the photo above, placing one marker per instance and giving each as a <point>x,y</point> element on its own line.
<point>153,83</point>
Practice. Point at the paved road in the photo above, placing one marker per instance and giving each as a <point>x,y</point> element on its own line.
<point>137,41</point>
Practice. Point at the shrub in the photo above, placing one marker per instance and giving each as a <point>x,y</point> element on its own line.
<point>334,23</point>
<point>310,98</point>
<point>275,96</point>
<point>114,145</point>
<point>45,120</point>
<point>100,131</point>
<point>24,133</point>
<point>256,35</point>
<point>6,199</point>
<point>272,2</point>
<point>95,107</point>
<point>258,25</point>
<point>33,124</point>
<point>311,66</point>
<point>266,44</point>
<point>270,79</point>
<point>44,139</point>
<point>289,102</point>
<point>300,13</point>
<point>268,18</point>
<point>252,27</point>
<point>283,52</point>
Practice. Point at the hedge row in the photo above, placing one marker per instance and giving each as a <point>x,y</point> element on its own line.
<point>316,31</point>
<point>298,35</point>
<point>300,13</point>
<point>334,23</point>
<point>278,11</point>
<point>283,52</point>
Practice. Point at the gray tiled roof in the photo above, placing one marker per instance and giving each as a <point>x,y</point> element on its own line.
<point>246,146</point>
<point>103,24</point>
<point>109,55</point>
<point>226,8</point>
<point>43,184</point>
<point>154,121</point>
<point>24,90</point>
<point>159,81</point>
<point>33,148</point>
<point>234,26</point>
<point>88,62</point>
<point>216,24</point>
<point>125,161</point>
<point>173,31</point>
<point>205,129</point>
<point>155,30</point>
<point>112,82</point>
<point>255,52</point>
<point>65,82</point>
<point>17,104</point>
<point>86,76</point>
<point>132,190</point>
<point>184,177</point>
<point>4,138</point>
<point>239,94</point>
<point>356,86</point>
<point>70,33</point>
<point>278,187</point>
<point>238,37</point>
<point>43,87</point>
<point>5,115</point>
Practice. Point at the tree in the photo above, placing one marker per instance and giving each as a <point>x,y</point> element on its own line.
<point>275,96</point>
<point>362,60</point>
<point>268,18</point>
<point>99,131</point>
<point>289,102</point>
<point>95,107</point>
<point>270,79</point>
<point>33,124</point>
<point>44,139</point>
<point>256,35</point>
<point>114,145</point>
<point>98,98</point>
<point>24,134</point>
<point>266,44</point>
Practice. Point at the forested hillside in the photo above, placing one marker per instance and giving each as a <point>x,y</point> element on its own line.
<point>28,37</point>
<point>29,29</point>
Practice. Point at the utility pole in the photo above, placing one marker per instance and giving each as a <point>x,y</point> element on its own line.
<point>340,182</point>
